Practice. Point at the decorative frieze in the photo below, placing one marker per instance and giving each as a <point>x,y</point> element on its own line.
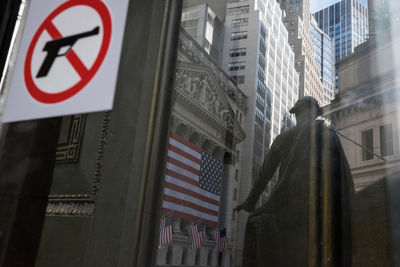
<point>187,130</point>
<point>70,208</point>
<point>196,87</point>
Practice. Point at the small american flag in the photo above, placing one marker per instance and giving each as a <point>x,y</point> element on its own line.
<point>220,240</point>
<point>165,230</point>
<point>197,234</point>
<point>192,182</point>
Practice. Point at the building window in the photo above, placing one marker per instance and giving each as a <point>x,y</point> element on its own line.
<point>240,22</point>
<point>234,66</point>
<point>368,144</point>
<point>235,194</point>
<point>238,10</point>
<point>236,175</point>
<point>237,52</point>
<point>238,78</point>
<point>291,2</point>
<point>386,139</point>
<point>235,1</point>
<point>291,10</point>
<point>239,35</point>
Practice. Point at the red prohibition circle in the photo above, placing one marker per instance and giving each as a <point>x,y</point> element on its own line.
<point>51,98</point>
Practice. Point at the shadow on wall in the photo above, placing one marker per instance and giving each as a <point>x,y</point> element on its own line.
<point>375,224</point>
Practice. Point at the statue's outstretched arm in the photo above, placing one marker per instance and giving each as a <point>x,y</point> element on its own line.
<point>271,163</point>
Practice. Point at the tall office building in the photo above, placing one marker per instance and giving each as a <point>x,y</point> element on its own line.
<point>296,16</point>
<point>347,23</point>
<point>203,24</point>
<point>258,56</point>
<point>324,56</point>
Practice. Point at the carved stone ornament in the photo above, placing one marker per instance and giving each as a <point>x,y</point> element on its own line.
<point>68,150</point>
<point>191,52</point>
<point>82,204</point>
<point>197,86</point>
<point>63,208</point>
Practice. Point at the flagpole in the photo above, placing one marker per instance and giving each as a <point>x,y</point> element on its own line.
<point>332,126</point>
<point>168,214</point>
<point>198,221</point>
<point>366,149</point>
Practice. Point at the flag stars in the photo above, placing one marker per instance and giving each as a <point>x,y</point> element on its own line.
<point>210,174</point>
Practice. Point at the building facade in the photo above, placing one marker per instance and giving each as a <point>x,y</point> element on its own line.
<point>346,22</point>
<point>258,56</point>
<point>296,16</point>
<point>366,111</point>
<point>214,122</point>
<point>324,56</point>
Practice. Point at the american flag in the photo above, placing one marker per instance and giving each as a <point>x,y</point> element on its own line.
<point>220,240</point>
<point>192,182</point>
<point>197,234</point>
<point>165,230</point>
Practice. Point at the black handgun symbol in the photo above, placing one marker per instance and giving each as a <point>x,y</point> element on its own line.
<point>53,47</point>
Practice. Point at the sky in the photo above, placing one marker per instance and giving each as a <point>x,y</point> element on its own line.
<point>320,4</point>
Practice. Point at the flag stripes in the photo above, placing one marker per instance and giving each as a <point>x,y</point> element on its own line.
<point>197,235</point>
<point>165,230</point>
<point>220,240</point>
<point>192,182</point>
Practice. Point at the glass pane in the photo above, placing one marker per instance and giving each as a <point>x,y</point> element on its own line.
<point>243,133</point>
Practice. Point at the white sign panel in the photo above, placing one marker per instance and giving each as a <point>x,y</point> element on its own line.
<point>68,59</point>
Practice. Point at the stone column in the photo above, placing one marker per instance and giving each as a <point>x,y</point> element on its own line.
<point>177,255</point>
<point>191,257</point>
<point>162,255</point>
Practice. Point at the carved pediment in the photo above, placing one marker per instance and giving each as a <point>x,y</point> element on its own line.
<point>198,86</point>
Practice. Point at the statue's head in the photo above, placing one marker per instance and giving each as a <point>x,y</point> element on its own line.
<point>306,108</point>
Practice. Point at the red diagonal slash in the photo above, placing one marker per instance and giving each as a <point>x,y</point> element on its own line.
<point>72,57</point>
<point>86,74</point>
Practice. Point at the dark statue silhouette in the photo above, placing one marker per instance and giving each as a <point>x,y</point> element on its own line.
<point>306,220</point>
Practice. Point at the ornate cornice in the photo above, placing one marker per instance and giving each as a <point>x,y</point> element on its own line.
<point>199,89</point>
<point>374,93</point>
<point>177,121</point>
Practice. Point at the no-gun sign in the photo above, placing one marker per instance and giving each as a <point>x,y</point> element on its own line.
<point>68,59</point>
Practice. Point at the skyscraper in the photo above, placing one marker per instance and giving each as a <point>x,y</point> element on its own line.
<point>203,24</point>
<point>347,23</point>
<point>324,56</point>
<point>258,56</point>
<point>297,20</point>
